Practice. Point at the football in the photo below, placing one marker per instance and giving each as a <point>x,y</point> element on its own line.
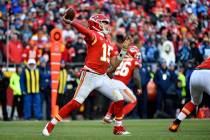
<point>69,14</point>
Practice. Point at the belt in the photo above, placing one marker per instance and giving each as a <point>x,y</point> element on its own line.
<point>202,69</point>
<point>91,72</point>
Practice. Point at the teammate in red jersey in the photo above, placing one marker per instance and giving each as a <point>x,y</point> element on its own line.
<point>129,67</point>
<point>199,82</point>
<point>100,54</point>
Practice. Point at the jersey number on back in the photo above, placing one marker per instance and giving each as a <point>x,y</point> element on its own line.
<point>123,69</point>
<point>106,53</point>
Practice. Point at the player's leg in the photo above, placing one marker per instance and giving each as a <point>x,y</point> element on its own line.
<point>108,90</point>
<point>108,117</point>
<point>196,91</point>
<point>130,99</point>
<point>84,88</point>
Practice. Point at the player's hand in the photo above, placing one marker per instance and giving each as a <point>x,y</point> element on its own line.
<point>139,92</point>
<point>69,15</point>
<point>126,43</point>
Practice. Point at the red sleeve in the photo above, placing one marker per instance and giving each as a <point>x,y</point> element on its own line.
<point>114,52</point>
<point>88,33</point>
<point>137,63</point>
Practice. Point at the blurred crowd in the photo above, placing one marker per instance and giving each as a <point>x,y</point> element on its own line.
<point>173,37</point>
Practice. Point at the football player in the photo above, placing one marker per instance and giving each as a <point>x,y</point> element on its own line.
<point>199,83</point>
<point>100,54</point>
<point>129,67</point>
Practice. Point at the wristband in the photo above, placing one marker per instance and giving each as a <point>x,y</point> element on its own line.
<point>121,55</point>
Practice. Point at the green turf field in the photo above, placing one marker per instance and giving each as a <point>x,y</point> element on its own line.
<point>94,130</point>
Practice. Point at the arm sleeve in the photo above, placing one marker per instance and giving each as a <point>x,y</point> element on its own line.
<point>88,33</point>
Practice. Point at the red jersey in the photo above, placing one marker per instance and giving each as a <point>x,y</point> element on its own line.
<point>205,64</point>
<point>99,53</point>
<point>125,70</point>
<point>31,53</point>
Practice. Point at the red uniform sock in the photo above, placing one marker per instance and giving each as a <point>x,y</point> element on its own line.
<point>118,110</point>
<point>188,108</point>
<point>67,109</point>
<point>129,107</point>
<point>111,109</point>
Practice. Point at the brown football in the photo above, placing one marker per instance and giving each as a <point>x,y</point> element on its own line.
<point>70,14</point>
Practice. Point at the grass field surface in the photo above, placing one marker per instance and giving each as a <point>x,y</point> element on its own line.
<point>95,130</point>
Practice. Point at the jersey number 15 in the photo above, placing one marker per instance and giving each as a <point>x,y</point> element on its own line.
<point>106,53</point>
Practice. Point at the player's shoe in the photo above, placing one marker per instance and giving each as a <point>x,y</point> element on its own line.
<point>107,120</point>
<point>48,129</point>
<point>120,130</point>
<point>174,126</point>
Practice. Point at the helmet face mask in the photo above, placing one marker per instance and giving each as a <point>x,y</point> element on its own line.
<point>138,55</point>
<point>99,23</point>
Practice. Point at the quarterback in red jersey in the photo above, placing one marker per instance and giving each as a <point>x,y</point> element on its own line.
<point>199,83</point>
<point>100,55</point>
<point>129,67</point>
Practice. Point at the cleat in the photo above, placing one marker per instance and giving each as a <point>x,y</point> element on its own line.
<point>120,130</point>
<point>174,126</point>
<point>107,121</point>
<point>48,129</point>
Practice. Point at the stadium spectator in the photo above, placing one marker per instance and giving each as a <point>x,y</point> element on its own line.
<point>30,87</point>
<point>31,52</point>
<point>184,52</point>
<point>61,98</point>
<point>3,95</point>
<point>172,95</point>
<point>15,49</point>
<point>142,105</point>
<point>195,55</point>
<point>68,32</point>
<point>167,52</point>
<point>181,87</point>
<point>205,48</point>
<point>45,88</point>
<point>17,105</point>
<point>163,81</point>
<point>26,33</point>
<point>69,52</point>
<point>150,52</point>
<point>3,7</point>
<point>125,22</point>
<point>40,38</point>
<point>80,50</point>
